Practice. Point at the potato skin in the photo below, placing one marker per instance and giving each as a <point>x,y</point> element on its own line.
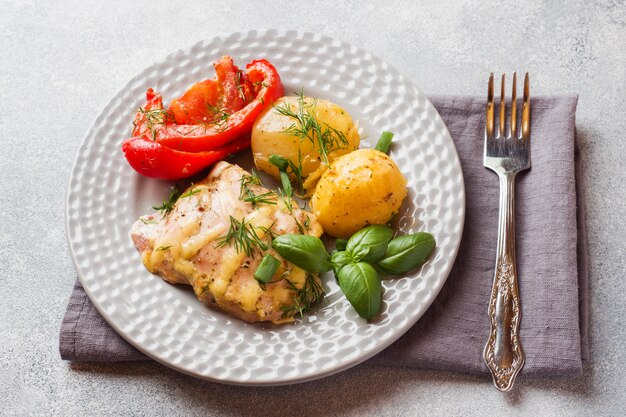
<point>269,137</point>
<point>361,188</point>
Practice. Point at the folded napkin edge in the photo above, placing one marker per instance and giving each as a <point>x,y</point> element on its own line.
<point>473,97</point>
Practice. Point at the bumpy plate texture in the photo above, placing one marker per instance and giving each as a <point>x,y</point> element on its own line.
<point>166,322</point>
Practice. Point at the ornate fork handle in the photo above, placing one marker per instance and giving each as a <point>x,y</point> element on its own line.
<point>503,353</point>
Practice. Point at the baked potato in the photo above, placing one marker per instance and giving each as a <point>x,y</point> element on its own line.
<point>306,131</point>
<point>361,188</point>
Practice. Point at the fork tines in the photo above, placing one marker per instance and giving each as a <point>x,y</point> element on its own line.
<point>512,133</point>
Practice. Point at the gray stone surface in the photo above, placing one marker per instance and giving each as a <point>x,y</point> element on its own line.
<point>62,61</point>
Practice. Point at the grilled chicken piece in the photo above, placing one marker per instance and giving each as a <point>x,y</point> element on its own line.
<point>191,245</point>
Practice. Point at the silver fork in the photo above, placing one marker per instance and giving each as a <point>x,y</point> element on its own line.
<point>506,153</point>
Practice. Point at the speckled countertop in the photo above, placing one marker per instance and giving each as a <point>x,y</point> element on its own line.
<point>62,61</point>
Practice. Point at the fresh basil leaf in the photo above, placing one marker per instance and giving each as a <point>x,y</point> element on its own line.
<point>304,251</point>
<point>340,259</point>
<point>370,243</point>
<point>340,244</point>
<point>407,252</point>
<point>361,285</point>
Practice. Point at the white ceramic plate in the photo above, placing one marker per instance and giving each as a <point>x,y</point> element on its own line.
<point>166,322</point>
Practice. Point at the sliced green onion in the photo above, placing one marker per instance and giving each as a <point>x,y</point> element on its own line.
<point>341,244</point>
<point>267,268</point>
<point>279,162</point>
<point>284,179</point>
<point>384,143</point>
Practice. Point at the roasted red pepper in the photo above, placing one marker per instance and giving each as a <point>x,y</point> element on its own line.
<point>154,160</point>
<point>210,121</point>
<point>208,136</point>
<point>212,101</point>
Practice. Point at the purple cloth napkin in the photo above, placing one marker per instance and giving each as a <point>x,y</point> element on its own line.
<point>551,256</point>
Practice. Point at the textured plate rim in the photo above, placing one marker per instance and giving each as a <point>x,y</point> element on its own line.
<point>342,366</point>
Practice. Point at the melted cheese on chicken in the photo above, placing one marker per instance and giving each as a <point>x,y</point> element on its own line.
<point>190,246</point>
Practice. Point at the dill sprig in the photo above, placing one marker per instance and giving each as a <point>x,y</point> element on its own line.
<point>301,228</point>
<point>304,298</point>
<point>286,199</point>
<point>306,126</point>
<point>238,78</point>
<point>247,181</point>
<point>247,195</point>
<point>261,83</point>
<point>304,226</point>
<point>160,248</point>
<point>265,198</point>
<point>220,115</point>
<point>155,118</point>
<point>168,205</point>
<point>243,236</point>
<point>268,231</point>
<point>192,191</point>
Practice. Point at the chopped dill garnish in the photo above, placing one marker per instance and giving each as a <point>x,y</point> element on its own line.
<point>286,199</point>
<point>248,180</point>
<point>324,138</point>
<point>304,226</point>
<point>268,231</point>
<point>160,248</point>
<point>167,205</point>
<point>218,118</point>
<point>304,298</point>
<point>191,192</point>
<point>246,194</point>
<point>144,221</point>
<point>261,83</point>
<point>265,198</point>
<point>220,115</point>
<point>238,77</point>
<point>243,236</point>
<point>156,117</point>
<point>301,228</point>
<point>204,289</point>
